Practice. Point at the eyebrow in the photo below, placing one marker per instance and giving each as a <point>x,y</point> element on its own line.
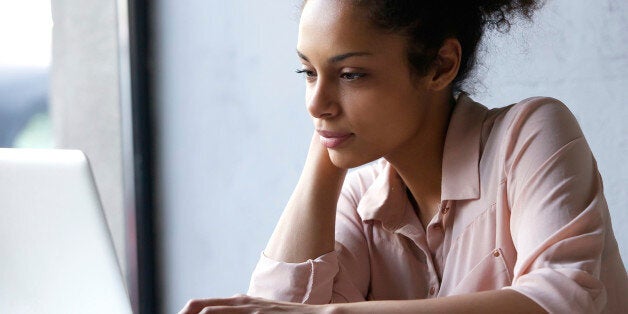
<point>339,57</point>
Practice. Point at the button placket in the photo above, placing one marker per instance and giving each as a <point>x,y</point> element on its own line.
<point>433,290</point>
<point>446,214</point>
<point>436,235</point>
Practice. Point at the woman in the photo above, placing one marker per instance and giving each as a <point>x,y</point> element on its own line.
<point>466,210</point>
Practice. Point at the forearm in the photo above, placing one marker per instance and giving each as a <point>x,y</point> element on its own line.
<point>306,227</point>
<point>497,301</point>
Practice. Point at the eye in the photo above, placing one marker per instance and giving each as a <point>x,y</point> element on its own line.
<point>352,76</point>
<point>309,74</point>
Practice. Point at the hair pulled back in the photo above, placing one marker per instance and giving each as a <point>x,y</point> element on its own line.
<point>428,23</point>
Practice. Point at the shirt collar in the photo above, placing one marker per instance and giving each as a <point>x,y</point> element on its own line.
<point>461,156</point>
<point>386,199</point>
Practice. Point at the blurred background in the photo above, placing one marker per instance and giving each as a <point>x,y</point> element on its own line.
<point>195,124</point>
<point>25,41</point>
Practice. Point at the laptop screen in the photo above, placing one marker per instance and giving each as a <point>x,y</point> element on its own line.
<point>56,251</point>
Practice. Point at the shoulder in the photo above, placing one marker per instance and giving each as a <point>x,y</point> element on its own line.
<point>532,131</point>
<point>542,121</point>
<point>536,115</point>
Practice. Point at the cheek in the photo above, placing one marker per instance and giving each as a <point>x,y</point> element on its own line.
<point>379,134</point>
<point>381,121</point>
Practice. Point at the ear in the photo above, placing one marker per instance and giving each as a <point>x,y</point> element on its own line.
<point>446,65</point>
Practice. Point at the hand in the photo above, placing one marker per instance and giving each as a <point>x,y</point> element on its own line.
<point>246,304</point>
<point>319,153</point>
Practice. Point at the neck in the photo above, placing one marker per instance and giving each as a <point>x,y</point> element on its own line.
<point>419,162</point>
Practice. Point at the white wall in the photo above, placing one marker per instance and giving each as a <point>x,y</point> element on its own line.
<point>234,131</point>
<point>84,99</point>
<point>233,136</point>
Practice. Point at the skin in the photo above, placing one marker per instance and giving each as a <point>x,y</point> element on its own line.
<point>359,84</point>
<point>389,112</point>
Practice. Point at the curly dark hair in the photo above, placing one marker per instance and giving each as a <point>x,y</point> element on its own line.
<point>428,23</point>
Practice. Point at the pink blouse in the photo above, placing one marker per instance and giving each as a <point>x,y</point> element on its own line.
<point>522,208</point>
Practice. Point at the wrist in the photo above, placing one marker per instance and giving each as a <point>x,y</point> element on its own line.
<point>318,160</point>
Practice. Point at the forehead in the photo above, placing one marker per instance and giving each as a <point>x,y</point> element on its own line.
<point>338,26</point>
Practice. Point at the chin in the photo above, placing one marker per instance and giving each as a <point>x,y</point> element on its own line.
<point>345,160</point>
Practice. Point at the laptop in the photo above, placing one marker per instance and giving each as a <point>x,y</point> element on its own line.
<point>56,253</point>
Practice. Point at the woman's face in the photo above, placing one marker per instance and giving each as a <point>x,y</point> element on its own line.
<point>360,92</point>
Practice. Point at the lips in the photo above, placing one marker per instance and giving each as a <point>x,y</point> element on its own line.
<point>332,139</point>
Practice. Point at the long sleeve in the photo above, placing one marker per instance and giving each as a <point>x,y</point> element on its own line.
<point>559,216</point>
<point>338,276</point>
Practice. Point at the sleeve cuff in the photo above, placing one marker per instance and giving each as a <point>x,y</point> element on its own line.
<point>308,282</point>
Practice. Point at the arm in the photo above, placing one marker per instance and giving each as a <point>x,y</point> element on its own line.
<point>304,262</point>
<point>306,227</point>
<point>558,211</point>
<point>498,301</point>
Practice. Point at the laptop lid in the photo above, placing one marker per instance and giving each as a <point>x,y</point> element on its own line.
<point>56,253</point>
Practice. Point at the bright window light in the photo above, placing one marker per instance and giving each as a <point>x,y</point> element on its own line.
<point>25,33</point>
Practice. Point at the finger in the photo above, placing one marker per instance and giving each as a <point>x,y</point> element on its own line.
<point>239,309</point>
<point>194,306</point>
<point>217,309</point>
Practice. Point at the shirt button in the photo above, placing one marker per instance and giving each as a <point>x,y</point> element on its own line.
<point>432,290</point>
<point>496,253</point>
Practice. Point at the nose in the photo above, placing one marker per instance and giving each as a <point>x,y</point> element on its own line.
<point>321,100</point>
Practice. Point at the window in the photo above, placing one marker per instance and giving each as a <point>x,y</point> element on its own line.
<point>25,41</point>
